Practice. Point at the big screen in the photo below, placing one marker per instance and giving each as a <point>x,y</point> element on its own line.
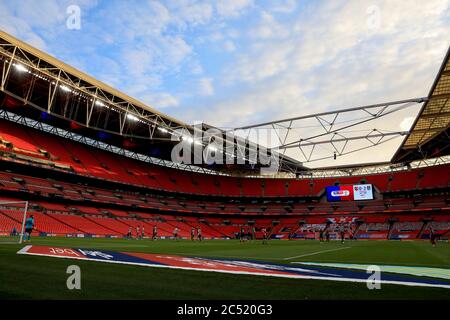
<point>354,192</point>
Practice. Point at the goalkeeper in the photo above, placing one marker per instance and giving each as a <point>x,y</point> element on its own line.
<point>29,225</point>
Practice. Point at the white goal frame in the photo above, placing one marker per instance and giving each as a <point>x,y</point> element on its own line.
<point>22,231</point>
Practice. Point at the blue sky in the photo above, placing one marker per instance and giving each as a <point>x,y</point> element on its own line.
<point>254,60</point>
<point>236,62</point>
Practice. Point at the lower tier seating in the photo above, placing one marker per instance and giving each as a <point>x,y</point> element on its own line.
<point>61,222</point>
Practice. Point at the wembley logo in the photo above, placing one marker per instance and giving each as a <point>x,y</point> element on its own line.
<point>340,193</point>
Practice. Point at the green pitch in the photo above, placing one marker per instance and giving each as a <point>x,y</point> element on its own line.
<point>32,277</point>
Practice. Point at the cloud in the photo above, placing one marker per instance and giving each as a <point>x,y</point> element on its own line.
<point>191,13</point>
<point>268,27</point>
<point>338,61</point>
<point>238,109</point>
<point>241,62</point>
<point>332,60</point>
<point>286,6</point>
<point>161,100</point>
<point>38,22</point>
<point>229,46</point>
<point>258,64</point>
<point>233,8</point>
<point>206,87</point>
<point>406,123</point>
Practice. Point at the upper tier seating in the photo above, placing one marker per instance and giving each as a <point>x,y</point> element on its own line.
<point>58,152</point>
<point>93,201</point>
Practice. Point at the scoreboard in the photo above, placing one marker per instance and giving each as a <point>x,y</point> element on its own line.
<point>353,192</point>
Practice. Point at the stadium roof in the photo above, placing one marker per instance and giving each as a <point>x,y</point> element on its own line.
<point>347,131</point>
<point>67,98</point>
<point>52,87</point>
<point>429,135</point>
<point>71,75</point>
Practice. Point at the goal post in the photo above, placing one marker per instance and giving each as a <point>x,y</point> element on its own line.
<point>13,215</point>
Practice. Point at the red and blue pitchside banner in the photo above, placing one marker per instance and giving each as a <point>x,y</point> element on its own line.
<point>234,266</point>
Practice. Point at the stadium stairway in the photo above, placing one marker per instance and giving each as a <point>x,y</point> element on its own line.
<point>7,224</point>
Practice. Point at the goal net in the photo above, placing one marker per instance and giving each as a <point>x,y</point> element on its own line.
<point>12,221</point>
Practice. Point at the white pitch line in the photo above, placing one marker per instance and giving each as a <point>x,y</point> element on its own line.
<point>220,256</point>
<point>314,253</point>
<point>112,246</point>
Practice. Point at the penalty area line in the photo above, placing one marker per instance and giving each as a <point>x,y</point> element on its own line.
<point>314,253</point>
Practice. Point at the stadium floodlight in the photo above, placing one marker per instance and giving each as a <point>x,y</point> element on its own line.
<point>65,88</point>
<point>20,67</point>
<point>99,103</point>
<point>188,139</point>
<point>132,117</point>
<point>163,130</point>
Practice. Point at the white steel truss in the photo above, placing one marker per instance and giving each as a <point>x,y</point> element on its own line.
<point>83,92</point>
<point>306,174</point>
<point>100,145</point>
<point>333,134</point>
